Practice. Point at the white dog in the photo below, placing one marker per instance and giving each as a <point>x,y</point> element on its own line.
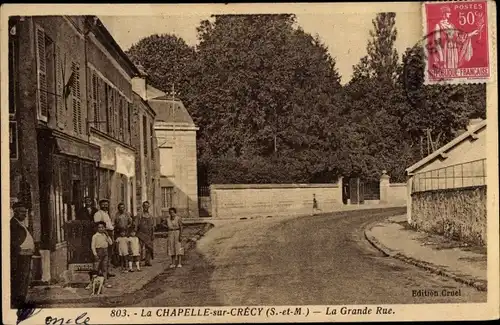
<point>96,283</point>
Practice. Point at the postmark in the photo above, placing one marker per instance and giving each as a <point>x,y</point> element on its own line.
<point>457,42</point>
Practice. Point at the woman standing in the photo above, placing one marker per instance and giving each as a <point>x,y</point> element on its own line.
<point>174,225</point>
<point>144,227</point>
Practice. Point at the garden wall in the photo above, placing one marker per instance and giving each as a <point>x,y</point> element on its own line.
<point>455,213</point>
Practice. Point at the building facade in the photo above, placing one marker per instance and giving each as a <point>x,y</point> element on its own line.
<point>176,136</point>
<point>147,166</point>
<point>447,189</point>
<point>70,104</point>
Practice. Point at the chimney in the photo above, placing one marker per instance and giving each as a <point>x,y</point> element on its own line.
<point>139,82</point>
<point>139,86</point>
<point>473,122</point>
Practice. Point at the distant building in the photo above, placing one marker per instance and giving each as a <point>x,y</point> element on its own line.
<point>447,189</point>
<point>176,136</point>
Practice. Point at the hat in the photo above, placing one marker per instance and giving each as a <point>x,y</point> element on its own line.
<point>19,205</point>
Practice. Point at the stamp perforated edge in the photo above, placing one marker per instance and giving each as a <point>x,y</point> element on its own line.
<point>491,16</point>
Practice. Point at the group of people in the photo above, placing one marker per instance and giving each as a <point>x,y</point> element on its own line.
<point>134,239</point>
<point>128,239</point>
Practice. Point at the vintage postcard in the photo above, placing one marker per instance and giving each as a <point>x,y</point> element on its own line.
<point>287,162</point>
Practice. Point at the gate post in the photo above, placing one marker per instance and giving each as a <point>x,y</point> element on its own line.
<point>384,187</point>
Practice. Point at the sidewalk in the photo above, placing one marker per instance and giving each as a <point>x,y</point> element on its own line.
<point>124,283</point>
<point>439,255</point>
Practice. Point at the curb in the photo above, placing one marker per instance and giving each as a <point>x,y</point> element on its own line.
<point>191,243</point>
<point>479,285</point>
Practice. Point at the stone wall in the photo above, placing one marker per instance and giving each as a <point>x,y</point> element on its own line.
<point>251,200</point>
<point>455,213</point>
<point>397,193</point>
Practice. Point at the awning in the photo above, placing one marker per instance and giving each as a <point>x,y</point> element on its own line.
<point>107,150</point>
<point>77,149</point>
<point>125,162</point>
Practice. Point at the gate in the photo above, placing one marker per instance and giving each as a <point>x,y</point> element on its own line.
<point>356,191</point>
<point>204,202</point>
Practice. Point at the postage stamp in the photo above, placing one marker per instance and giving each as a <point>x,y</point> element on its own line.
<point>240,163</point>
<point>458,47</point>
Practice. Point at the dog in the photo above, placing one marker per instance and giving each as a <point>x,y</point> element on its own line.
<point>96,283</point>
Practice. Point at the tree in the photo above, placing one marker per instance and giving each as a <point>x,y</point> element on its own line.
<point>441,110</point>
<point>372,139</point>
<point>381,62</point>
<point>167,60</point>
<point>263,95</point>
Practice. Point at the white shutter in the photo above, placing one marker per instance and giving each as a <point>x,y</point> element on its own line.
<point>43,104</point>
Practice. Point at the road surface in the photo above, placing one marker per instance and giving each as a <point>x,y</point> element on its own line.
<point>315,260</point>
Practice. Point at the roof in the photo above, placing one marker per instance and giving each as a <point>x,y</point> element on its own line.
<point>152,92</point>
<point>111,43</point>
<point>164,110</point>
<point>471,130</point>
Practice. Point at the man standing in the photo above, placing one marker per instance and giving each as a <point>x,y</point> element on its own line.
<point>88,211</point>
<point>102,215</point>
<point>144,227</point>
<point>21,250</point>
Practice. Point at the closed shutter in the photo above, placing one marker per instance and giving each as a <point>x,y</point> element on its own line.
<point>121,119</point>
<point>126,135</point>
<point>130,114</point>
<point>90,96</point>
<point>116,116</point>
<point>60,100</point>
<point>95,97</point>
<point>41,75</point>
<point>102,105</point>
<point>76,98</point>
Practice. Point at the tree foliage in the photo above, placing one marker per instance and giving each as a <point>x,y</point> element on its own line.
<point>167,60</point>
<point>268,101</point>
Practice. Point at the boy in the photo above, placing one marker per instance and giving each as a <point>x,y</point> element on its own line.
<point>100,243</point>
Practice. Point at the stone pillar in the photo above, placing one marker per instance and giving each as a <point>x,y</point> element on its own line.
<point>384,187</point>
<point>340,183</point>
<point>409,185</point>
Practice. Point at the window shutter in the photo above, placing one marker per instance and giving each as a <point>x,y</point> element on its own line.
<point>76,98</point>
<point>102,104</point>
<point>90,95</point>
<point>95,103</point>
<point>126,134</point>
<point>41,75</point>
<point>60,100</point>
<point>116,104</point>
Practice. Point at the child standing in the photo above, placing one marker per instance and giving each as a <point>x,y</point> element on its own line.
<point>100,243</point>
<point>135,252</point>
<point>122,243</point>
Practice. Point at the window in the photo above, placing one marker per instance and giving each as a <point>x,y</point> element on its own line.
<point>13,141</point>
<point>145,134</point>
<point>76,98</point>
<point>166,197</point>
<point>41,59</point>
<point>116,103</point>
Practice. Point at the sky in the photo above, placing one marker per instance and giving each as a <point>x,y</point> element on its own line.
<point>344,30</point>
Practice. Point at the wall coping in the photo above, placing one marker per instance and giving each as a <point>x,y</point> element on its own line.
<point>268,186</point>
<point>397,184</point>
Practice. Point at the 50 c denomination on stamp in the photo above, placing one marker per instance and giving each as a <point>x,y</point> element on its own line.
<point>457,43</point>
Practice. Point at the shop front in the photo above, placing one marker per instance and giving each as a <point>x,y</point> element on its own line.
<point>67,174</point>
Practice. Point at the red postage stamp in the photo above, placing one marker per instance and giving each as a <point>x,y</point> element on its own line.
<point>457,42</point>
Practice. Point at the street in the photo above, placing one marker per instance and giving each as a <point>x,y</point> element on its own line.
<point>313,260</point>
